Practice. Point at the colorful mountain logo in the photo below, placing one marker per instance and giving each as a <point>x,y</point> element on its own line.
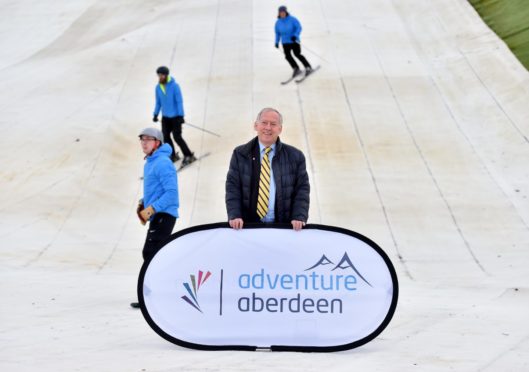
<point>193,289</point>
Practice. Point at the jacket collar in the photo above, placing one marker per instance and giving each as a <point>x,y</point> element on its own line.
<point>162,86</point>
<point>248,148</point>
<point>164,150</point>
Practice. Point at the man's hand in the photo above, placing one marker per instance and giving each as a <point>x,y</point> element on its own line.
<point>277,45</point>
<point>155,118</point>
<point>297,225</point>
<point>236,223</point>
<point>294,39</point>
<point>138,212</point>
<point>147,213</point>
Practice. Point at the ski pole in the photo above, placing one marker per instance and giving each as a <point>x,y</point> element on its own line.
<point>202,129</point>
<point>313,52</point>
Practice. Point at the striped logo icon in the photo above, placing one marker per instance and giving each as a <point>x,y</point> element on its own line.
<point>193,287</point>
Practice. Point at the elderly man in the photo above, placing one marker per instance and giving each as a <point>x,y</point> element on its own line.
<point>267,180</point>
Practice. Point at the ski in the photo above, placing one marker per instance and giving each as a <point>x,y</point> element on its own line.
<point>307,75</point>
<point>287,81</point>
<point>291,78</point>
<point>182,167</point>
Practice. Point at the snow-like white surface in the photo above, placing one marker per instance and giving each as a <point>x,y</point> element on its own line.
<point>416,131</point>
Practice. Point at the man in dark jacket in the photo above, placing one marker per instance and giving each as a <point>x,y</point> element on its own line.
<point>267,180</point>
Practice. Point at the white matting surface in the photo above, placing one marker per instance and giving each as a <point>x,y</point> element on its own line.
<point>416,132</point>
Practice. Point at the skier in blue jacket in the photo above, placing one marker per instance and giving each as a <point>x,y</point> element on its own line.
<point>169,100</point>
<point>159,205</point>
<point>287,31</point>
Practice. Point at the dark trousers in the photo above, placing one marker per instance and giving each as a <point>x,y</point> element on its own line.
<point>160,228</point>
<point>174,126</point>
<point>296,49</point>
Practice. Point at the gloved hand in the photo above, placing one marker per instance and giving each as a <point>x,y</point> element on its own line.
<point>294,39</point>
<point>138,210</point>
<point>179,120</point>
<point>155,118</point>
<point>147,213</point>
<point>277,45</point>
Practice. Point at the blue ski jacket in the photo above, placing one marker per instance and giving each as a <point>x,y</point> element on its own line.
<point>169,99</point>
<point>286,28</point>
<point>160,182</point>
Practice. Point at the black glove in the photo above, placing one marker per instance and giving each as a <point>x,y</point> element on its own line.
<point>277,45</point>
<point>294,39</point>
<point>155,118</point>
<point>179,120</point>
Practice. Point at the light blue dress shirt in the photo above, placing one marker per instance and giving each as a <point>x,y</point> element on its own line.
<point>270,216</point>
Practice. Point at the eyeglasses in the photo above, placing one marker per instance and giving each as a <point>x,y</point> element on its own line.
<point>147,139</point>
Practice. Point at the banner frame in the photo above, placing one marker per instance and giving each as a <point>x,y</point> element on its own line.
<point>291,348</point>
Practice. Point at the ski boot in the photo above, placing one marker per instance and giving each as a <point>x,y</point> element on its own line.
<point>175,157</point>
<point>188,159</point>
<point>296,72</point>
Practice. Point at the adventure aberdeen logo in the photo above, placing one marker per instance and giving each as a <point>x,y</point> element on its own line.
<point>300,292</point>
<point>285,283</point>
<point>193,289</point>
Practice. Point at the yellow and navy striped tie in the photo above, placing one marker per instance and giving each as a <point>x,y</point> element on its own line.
<point>264,185</point>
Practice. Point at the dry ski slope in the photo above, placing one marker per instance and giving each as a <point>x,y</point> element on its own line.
<point>416,132</point>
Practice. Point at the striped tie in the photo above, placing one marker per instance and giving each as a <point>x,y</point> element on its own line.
<point>264,185</point>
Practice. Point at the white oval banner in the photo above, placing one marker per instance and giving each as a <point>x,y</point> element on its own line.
<point>267,286</point>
